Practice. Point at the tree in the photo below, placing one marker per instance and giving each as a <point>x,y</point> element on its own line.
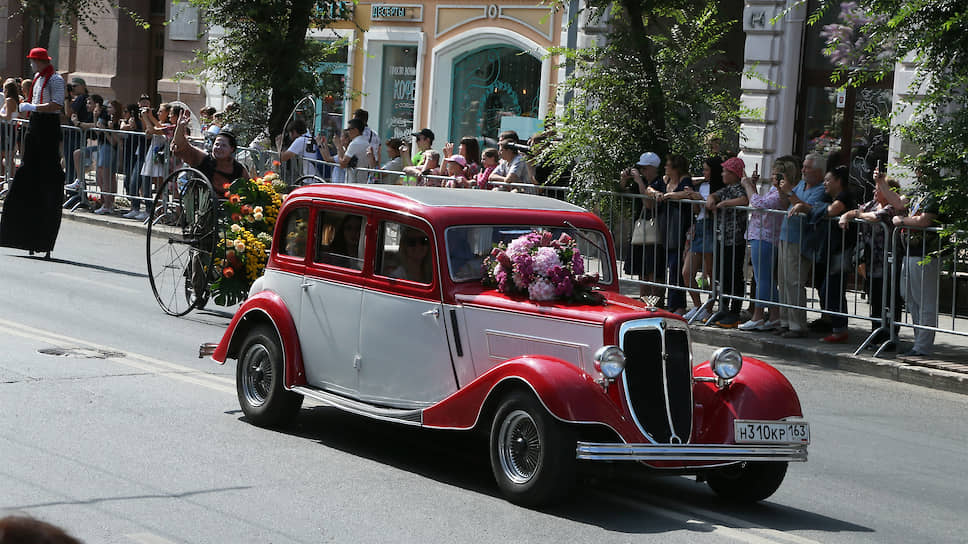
<point>875,36</point>
<point>265,54</point>
<point>657,84</point>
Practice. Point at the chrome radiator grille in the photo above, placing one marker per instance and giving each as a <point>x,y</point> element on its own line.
<point>658,383</point>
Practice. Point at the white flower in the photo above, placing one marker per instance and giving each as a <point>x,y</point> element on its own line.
<point>239,245</point>
<point>235,227</point>
<point>545,259</point>
<point>257,209</point>
<point>257,216</point>
<point>541,289</point>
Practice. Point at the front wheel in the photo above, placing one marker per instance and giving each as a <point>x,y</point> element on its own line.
<point>532,454</point>
<point>259,381</point>
<point>747,482</point>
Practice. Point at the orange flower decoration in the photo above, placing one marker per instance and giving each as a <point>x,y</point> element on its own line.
<point>246,209</point>
<point>228,272</point>
<point>234,199</point>
<point>236,217</point>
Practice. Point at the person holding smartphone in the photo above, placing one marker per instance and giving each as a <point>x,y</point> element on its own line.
<point>763,233</point>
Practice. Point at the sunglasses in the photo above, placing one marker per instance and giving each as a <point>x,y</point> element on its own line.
<point>414,242</point>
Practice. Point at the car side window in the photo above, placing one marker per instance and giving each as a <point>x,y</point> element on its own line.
<point>295,233</point>
<point>405,253</point>
<point>340,239</point>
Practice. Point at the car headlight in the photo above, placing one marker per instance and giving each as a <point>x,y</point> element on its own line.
<point>610,361</point>
<point>726,363</point>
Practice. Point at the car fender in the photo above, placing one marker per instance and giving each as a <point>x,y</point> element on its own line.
<point>265,306</point>
<point>568,393</point>
<point>760,391</point>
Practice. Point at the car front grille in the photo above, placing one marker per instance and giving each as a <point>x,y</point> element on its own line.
<point>659,384</point>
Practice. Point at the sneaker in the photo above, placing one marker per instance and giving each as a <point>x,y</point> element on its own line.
<point>104,210</point>
<point>911,353</point>
<point>835,338</point>
<point>76,186</point>
<point>794,334</point>
<point>703,315</point>
<point>751,325</point>
<point>716,317</point>
<point>132,214</point>
<point>141,216</point>
<point>730,321</point>
<point>689,315</point>
<point>769,326</point>
<point>821,324</point>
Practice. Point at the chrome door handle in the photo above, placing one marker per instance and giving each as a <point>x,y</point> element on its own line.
<point>435,312</point>
<point>305,285</point>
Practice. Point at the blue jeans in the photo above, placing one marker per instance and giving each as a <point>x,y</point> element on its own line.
<point>763,255</point>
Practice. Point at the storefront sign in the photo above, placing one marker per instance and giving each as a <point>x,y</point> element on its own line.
<point>399,89</point>
<point>396,12</point>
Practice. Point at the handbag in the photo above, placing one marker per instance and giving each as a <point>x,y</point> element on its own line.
<point>645,232</point>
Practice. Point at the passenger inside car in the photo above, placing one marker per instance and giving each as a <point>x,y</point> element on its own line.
<point>414,257</point>
<point>344,248</point>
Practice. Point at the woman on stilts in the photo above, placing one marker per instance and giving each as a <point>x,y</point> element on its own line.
<point>32,211</point>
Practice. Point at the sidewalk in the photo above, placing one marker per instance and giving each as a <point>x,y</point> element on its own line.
<point>946,369</point>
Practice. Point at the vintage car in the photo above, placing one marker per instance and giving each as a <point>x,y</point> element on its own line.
<point>372,302</point>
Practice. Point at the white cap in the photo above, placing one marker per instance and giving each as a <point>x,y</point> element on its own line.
<point>649,159</point>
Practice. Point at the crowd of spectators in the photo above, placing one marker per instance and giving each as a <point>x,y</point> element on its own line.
<point>795,229</point>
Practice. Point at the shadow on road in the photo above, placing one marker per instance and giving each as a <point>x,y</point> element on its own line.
<point>622,498</point>
<point>83,265</point>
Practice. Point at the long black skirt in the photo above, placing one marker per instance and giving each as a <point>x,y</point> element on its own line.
<point>32,211</point>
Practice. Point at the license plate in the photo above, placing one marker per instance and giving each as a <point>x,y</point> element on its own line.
<point>746,431</point>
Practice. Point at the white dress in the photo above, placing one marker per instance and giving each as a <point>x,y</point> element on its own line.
<point>152,168</point>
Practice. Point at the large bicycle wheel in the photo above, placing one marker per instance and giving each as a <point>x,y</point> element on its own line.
<point>182,234</point>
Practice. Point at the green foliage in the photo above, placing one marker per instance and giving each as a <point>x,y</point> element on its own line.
<point>934,34</point>
<point>264,53</point>
<point>656,85</point>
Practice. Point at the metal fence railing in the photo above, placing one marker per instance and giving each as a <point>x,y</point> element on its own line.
<point>886,278</point>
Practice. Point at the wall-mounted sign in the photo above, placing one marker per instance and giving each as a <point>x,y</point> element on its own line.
<point>396,12</point>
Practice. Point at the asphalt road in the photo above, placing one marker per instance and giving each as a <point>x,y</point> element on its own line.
<point>131,438</point>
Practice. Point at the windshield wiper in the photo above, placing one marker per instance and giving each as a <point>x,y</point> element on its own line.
<point>586,238</point>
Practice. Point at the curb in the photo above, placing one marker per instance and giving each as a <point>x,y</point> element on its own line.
<point>899,371</point>
<point>113,222</point>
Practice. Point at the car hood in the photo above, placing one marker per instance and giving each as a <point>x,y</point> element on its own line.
<point>616,307</point>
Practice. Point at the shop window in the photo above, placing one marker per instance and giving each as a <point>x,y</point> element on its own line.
<point>490,85</point>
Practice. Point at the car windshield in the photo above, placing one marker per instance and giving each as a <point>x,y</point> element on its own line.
<point>467,246</point>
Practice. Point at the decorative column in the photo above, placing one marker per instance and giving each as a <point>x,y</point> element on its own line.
<point>772,61</point>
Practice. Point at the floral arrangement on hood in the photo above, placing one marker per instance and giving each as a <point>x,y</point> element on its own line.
<point>542,268</point>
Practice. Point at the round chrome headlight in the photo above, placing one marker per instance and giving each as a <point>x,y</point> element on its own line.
<point>610,361</point>
<point>726,363</point>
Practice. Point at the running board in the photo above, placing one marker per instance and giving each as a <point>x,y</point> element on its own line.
<point>406,417</point>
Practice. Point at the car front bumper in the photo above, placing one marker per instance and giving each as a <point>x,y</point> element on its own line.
<point>598,451</point>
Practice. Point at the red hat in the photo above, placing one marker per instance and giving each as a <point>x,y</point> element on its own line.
<point>39,53</point>
<point>735,166</point>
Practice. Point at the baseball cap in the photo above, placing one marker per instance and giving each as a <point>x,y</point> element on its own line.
<point>78,81</point>
<point>425,132</point>
<point>649,159</point>
<point>459,159</point>
<point>735,166</point>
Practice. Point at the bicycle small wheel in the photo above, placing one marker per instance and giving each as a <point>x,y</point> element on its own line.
<point>181,239</point>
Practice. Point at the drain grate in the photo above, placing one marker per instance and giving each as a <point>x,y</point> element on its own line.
<point>82,353</point>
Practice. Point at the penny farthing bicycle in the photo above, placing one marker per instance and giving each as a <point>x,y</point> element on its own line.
<point>183,230</point>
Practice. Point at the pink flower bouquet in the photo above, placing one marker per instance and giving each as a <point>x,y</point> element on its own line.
<point>541,268</point>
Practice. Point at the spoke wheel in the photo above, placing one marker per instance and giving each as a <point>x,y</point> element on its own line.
<point>181,238</point>
<point>532,453</point>
<point>260,380</point>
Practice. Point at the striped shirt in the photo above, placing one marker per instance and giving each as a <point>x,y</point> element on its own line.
<point>54,92</point>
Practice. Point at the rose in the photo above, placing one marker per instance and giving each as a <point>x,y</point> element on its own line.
<point>239,245</point>
<point>258,209</point>
<point>228,272</point>
<point>257,216</point>
<point>246,209</point>
<point>236,217</point>
<point>234,199</point>
<point>235,227</point>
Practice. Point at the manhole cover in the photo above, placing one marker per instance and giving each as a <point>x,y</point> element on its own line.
<point>81,353</point>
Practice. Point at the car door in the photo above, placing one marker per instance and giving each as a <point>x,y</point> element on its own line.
<point>405,357</point>
<point>332,290</point>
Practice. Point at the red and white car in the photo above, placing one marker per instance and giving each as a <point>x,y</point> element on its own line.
<point>372,302</point>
